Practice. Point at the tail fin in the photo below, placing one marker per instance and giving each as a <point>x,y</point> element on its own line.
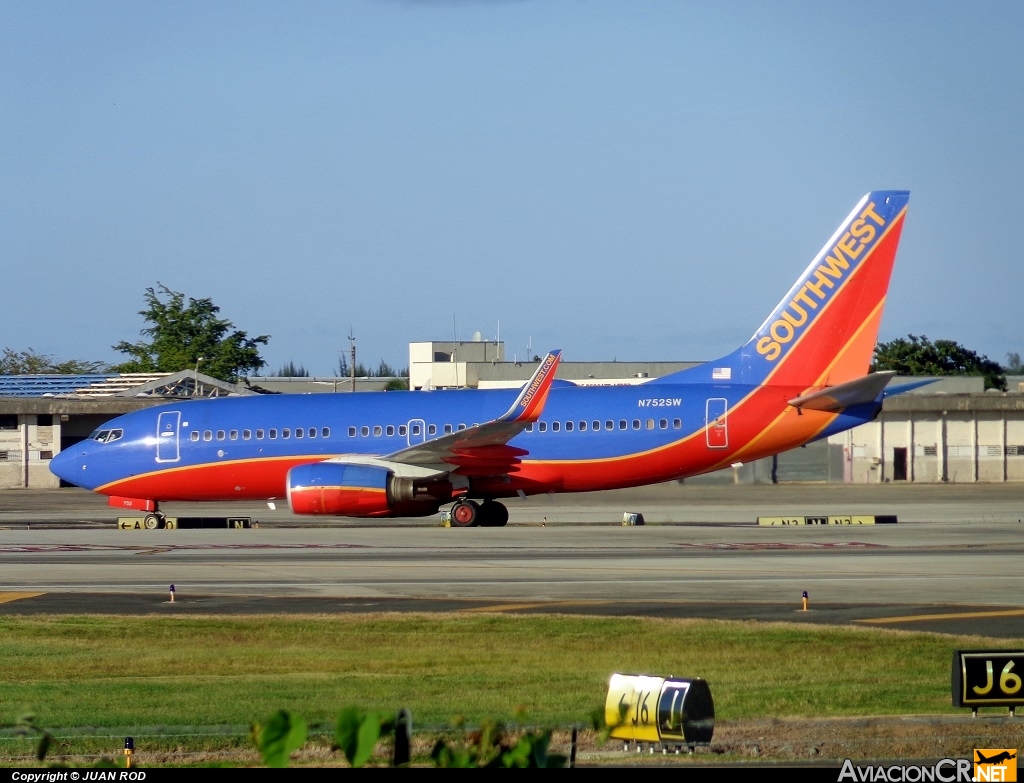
<point>824,330</point>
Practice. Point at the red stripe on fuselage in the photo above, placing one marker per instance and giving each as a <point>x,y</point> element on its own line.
<point>252,479</point>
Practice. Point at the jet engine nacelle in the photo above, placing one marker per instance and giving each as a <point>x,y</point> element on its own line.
<point>352,490</point>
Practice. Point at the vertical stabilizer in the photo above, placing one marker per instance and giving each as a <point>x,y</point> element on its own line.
<point>823,332</point>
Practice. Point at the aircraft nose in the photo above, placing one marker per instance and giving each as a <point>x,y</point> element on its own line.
<point>67,465</point>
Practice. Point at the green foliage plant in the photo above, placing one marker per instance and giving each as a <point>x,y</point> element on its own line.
<point>356,733</point>
<point>182,335</point>
<point>29,362</point>
<point>915,355</point>
<point>279,737</point>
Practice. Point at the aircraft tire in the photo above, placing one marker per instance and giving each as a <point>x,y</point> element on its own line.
<point>493,514</point>
<point>152,522</point>
<point>465,513</point>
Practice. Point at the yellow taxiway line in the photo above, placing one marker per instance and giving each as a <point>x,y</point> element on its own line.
<point>514,607</point>
<point>914,618</point>
<point>8,597</point>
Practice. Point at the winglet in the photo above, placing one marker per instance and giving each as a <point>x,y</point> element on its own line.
<point>530,402</point>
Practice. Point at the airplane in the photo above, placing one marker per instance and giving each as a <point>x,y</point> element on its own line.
<point>801,377</point>
<point>1004,756</point>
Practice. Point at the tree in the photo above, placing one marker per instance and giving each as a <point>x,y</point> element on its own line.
<point>920,356</point>
<point>1013,364</point>
<point>31,363</point>
<point>292,370</point>
<point>182,336</point>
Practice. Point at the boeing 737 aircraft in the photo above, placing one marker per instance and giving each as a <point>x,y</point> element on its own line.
<point>801,377</point>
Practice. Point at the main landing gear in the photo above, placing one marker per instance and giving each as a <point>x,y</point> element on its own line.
<point>469,513</point>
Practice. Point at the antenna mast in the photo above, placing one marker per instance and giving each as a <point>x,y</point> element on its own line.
<point>352,364</point>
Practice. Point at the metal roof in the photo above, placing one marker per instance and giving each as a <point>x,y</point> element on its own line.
<point>185,383</point>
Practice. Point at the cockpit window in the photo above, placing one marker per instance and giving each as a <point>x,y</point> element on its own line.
<point>107,436</point>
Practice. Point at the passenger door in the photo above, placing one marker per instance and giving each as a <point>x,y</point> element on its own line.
<point>167,436</point>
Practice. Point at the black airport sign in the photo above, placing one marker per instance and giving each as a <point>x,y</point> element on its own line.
<point>988,678</point>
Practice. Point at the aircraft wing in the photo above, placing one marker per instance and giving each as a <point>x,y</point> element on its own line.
<point>843,395</point>
<point>483,450</point>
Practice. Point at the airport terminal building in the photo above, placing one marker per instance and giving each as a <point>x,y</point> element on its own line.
<point>949,431</point>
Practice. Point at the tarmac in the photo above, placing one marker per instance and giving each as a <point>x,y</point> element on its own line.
<point>950,564</point>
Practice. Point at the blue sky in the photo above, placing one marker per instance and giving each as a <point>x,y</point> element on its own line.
<point>640,181</point>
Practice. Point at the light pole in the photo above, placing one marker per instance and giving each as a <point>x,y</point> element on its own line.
<point>195,384</point>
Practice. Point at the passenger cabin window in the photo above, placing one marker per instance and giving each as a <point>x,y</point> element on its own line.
<point>246,434</point>
<point>650,424</point>
<point>543,426</point>
<point>298,432</point>
<point>325,432</point>
<point>351,432</point>
<point>677,424</point>
<point>583,426</point>
<point>447,429</point>
<point>595,425</point>
<point>259,434</point>
<point>390,430</point>
<point>286,432</point>
<point>529,427</point>
<point>377,431</point>
<point>416,429</point>
<point>462,426</point>
<point>622,424</point>
<point>555,426</point>
<point>273,434</point>
<point>568,426</point>
<point>663,424</point>
<point>312,432</point>
<point>220,434</point>
<point>364,431</point>
<point>431,429</point>
<point>207,435</point>
<point>636,424</point>
<point>194,435</point>
<point>402,430</point>
<point>233,435</point>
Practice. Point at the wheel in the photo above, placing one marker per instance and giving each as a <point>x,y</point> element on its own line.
<point>153,521</point>
<point>465,513</point>
<point>493,514</point>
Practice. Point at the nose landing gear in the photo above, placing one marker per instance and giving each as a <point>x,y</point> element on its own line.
<point>154,520</point>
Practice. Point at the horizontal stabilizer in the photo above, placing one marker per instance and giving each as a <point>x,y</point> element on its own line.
<point>892,391</point>
<point>844,395</point>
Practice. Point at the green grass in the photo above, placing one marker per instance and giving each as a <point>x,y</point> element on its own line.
<point>101,671</point>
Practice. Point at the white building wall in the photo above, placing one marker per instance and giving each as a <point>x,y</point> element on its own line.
<point>25,453</point>
<point>955,445</point>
